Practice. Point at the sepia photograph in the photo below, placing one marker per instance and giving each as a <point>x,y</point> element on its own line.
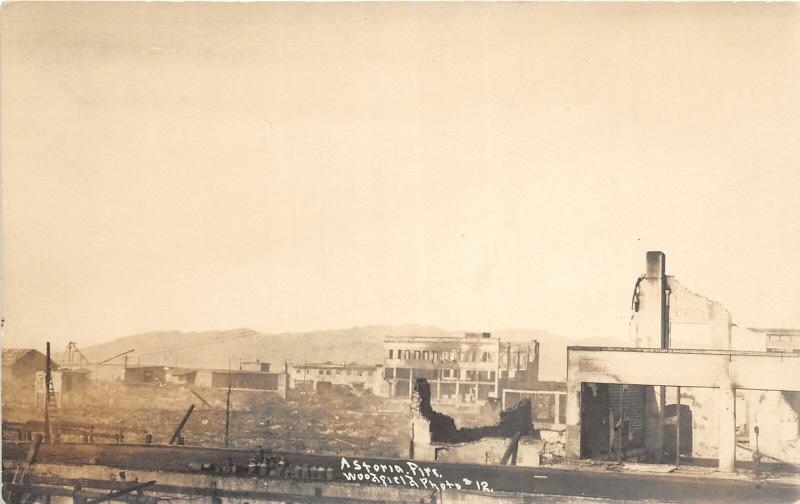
<point>400,252</point>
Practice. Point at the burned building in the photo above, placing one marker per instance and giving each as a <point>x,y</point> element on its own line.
<point>20,366</point>
<point>69,386</point>
<point>240,379</point>
<point>328,376</point>
<point>689,374</point>
<point>181,376</point>
<point>548,401</point>
<point>256,365</point>
<point>467,369</point>
<point>435,436</point>
<point>150,375</point>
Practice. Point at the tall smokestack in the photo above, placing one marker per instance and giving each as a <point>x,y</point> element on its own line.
<point>656,264</point>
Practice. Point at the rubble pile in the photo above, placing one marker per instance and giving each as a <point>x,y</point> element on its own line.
<point>324,424</point>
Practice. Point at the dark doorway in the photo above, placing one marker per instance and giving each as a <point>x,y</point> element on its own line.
<point>670,431</point>
<point>595,428</point>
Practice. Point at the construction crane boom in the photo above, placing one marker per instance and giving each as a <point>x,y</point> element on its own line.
<point>119,355</point>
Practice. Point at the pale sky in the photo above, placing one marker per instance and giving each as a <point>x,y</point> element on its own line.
<point>291,167</point>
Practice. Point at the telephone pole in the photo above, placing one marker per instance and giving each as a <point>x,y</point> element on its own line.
<point>228,406</point>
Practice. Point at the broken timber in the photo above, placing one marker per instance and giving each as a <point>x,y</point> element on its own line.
<point>123,492</point>
<point>511,451</point>
<point>177,434</point>
<point>208,405</point>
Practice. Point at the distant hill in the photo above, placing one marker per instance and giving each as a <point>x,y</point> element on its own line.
<point>216,349</point>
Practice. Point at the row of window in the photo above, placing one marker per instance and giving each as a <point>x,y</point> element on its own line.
<point>436,356</point>
<point>327,372</point>
<point>444,374</point>
<point>783,337</point>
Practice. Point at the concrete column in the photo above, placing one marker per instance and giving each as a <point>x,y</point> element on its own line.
<point>497,372</point>
<point>410,381</point>
<point>458,390</point>
<point>572,449</point>
<point>727,428</point>
<point>558,408</point>
<point>655,401</point>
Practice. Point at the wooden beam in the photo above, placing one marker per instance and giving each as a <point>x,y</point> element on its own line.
<point>208,405</point>
<point>180,425</point>
<point>120,493</point>
<point>511,451</point>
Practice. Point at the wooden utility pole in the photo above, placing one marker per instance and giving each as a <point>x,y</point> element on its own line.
<point>678,431</point>
<point>621,423</point>
<point>46,398</point>
<point>51,402</point>
<point>228,406</point>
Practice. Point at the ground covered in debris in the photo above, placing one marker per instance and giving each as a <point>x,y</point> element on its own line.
<point>330,424</point>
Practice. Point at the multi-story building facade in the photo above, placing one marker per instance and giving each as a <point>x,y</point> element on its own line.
<point>323,377</point>
<point>465,369</point>
<point>782,340</point>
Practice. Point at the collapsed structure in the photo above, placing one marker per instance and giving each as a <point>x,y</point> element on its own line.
<point>619,400</point>
<point>435,436</point>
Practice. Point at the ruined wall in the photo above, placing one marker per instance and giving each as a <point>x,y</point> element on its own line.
<point>430,427</point>
<point>744,339</point>
<point>491,450</point>
<point>696,321</point>
<point>776,416</point>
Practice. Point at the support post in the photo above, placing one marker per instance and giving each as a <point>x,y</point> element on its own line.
<point>621,423</point>
<point>727,429</point>
<point>655,401</point>
<point>511,450</point>
<point>558,408</point>
<point>572,451</point>
<point>47,435</point>
<point>678,429</point>
<point>228,406</point>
